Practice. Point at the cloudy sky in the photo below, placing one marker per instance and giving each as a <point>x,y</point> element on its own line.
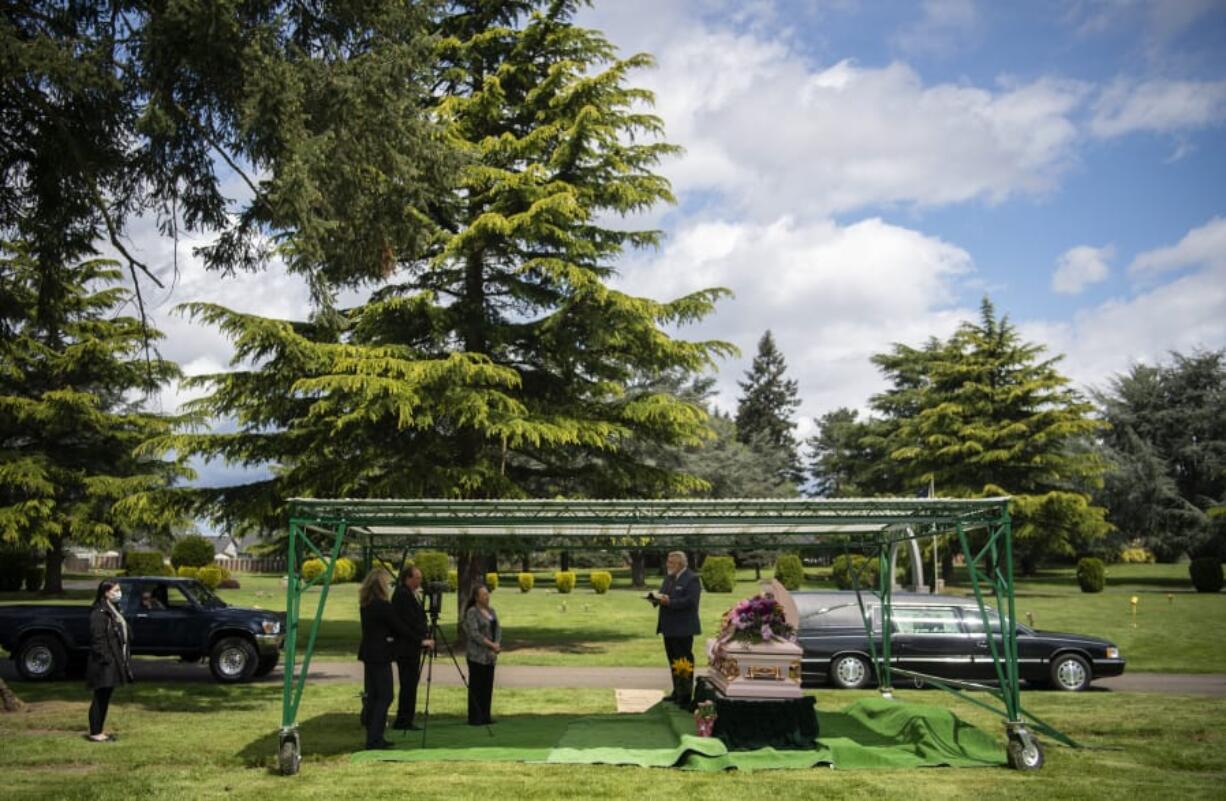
<point>862,172</point>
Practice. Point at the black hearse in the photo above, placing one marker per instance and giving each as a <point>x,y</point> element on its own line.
<point>940,635</point>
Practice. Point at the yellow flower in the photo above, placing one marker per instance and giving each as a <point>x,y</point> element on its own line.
<point>683,667</point>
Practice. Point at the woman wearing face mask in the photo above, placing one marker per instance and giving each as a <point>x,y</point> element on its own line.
<point>109,656</point>
<point>381,627</point>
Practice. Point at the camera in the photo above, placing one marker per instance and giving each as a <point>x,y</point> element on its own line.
<point>434,592</point>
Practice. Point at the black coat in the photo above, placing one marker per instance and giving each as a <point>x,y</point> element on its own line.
<point>109,650</point>
<point>380,629</point>
<point>413,615</point>
<point>680,617</point>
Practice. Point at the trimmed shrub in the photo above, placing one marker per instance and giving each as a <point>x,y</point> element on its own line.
<point>34,578</point>
<point>187,571</point>
<point>845,565</point>
<point>312,569</point>
<point>432,564</point>
<point>491,581</point>
<point>1138,556</point>
<point>564,580</point>
<point>789,571</point>
<point>1091,575</point>
<point>601,581</point>
<point>345,571</point>
<point>192,550</point>
<point>1206,573</point>
<point>210,576</point>
<point>525,581</point>
<point>453,580</point>
<point>718,574</point>
<point>147,563</point>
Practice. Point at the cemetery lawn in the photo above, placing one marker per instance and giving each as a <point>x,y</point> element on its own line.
<point>179,741</point>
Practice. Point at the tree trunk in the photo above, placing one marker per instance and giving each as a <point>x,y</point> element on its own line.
<point>757,571</point>
<point>9,702</point>
<point>53,581</point>
<point>470,572</point>
<point>638,568</point>
<point>525,563</point>
<point>565,561</point>
<point>947,563</point>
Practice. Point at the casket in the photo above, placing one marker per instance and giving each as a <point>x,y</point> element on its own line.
<point>769,670</point>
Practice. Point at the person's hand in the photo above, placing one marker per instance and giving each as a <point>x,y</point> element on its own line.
<point>496,648</point>
<point>662,599</point>
<point>428,644</point>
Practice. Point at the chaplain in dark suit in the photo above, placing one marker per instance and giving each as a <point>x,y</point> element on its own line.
<point>678,621</point>
<point>408,603</point>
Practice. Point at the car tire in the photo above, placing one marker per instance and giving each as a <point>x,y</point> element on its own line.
<point>850,672</point>
<point>1071,673</point>
<point>266,665</point>
<point>41,657</point>
<point>233,660</point>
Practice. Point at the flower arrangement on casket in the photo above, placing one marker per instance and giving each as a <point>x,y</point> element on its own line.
<point>756,619</point>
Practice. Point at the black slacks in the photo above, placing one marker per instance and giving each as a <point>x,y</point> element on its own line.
<point>677,647</point>
<point>409,669</point>
<point>377,677</point>
<point>98,708</point>
<point>480,692</point>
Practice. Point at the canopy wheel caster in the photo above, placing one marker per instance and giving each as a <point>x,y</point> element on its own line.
<point>289,753</point>
<point>1024,751</point>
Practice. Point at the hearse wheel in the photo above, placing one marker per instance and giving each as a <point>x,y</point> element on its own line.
<point>850,672</point>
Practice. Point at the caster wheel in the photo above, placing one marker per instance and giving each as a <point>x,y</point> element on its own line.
<point>1025,755</point>
<point>288,756</point>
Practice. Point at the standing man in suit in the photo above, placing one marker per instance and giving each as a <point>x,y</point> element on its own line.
<point>678,617</point>
<point>409,607</point>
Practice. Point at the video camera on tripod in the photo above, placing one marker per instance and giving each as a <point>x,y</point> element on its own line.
<point>434,592</point>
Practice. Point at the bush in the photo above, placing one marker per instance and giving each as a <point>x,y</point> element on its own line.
<point>845,565</point>
<point>1137,556</point>
<point>718,574</point>
<point>1091,575</point>
<point>1206,573</point>
<point>433,565</point>
<point>229,584</point>
<point>312,569</point>
<point>147,563</point>
<point>13,565</point>
<point>491,581</point>
<point>187,571</point>
<point>564,580</point>
<point>210,576</point>
<point>789,571</point>
<point>193,551</point>
<point>345,571</point>
<point>601,581</point>
<point>525,580</point>
<point>34,578</point>
<point>453,580</point>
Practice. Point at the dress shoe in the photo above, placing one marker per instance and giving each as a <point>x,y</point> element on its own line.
<point>406,727</point>
<point>382,745</point>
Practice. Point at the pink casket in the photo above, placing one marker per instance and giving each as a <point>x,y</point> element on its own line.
<point>768,670</point>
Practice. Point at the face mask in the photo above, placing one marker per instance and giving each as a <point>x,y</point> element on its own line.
<point>114,595</point>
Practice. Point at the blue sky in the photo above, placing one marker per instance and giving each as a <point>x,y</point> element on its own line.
<point>862,172</point>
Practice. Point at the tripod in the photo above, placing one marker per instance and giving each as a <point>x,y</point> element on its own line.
<point>427,660</point>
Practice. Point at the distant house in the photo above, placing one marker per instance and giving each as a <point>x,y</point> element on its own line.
<point>225,547</point>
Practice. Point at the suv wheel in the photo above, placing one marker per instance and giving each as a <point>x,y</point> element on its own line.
<point>1070,672</point>
<point>41,657</point>
<point>233,659</point>
<point>850,672</point>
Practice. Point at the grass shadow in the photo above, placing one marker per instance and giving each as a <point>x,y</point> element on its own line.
<point>189,699</point>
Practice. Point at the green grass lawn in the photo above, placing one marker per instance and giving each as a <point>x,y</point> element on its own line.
<point>205,741</point>
<point>1177,629</point>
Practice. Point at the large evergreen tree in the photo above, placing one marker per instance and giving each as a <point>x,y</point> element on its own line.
<point>502,364</point>
<point>768,401</point>
<point>72,377</point>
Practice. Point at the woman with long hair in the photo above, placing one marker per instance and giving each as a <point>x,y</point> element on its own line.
<point>109,656</point>
<point>483,643</point>
<point>377,651</point>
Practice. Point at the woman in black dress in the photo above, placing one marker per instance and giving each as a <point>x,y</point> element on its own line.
<point>380,629</point>
<point>109,656</point>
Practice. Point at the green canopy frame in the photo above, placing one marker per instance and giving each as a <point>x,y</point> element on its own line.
<point>867,525</point>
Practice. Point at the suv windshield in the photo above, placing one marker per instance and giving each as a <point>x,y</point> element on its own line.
<point>203,595</point>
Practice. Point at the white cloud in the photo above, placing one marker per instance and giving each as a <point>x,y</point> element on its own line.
<point>833,295</point>
<point>945,26</point>
<point>1181,315</point>
<point>1200,246</point>
<point>1080,267</point>
<point>1158,106</point>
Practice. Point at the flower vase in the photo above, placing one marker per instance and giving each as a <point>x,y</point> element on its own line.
<point>705,725</point>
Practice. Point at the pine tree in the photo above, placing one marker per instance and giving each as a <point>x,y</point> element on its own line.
<point>985,414</point>
<point>768,400</point>
<point>71,373</point>
<point>502,364</point>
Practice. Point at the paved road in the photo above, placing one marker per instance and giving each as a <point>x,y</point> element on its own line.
<point>634,678</point>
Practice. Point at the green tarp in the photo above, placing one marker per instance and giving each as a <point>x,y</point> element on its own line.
<point>872,733</point>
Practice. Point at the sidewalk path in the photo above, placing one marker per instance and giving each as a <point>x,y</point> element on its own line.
<point>628,678</point>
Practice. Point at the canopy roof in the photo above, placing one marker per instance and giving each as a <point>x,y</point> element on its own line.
<point>617,523</point>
